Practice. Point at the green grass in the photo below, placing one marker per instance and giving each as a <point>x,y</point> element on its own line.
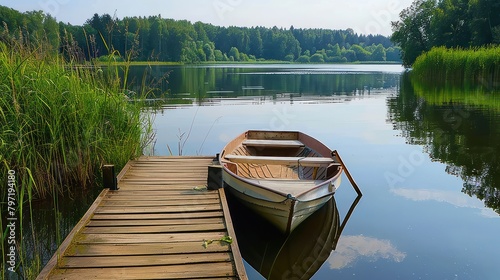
<point>59,123</point>
<point>464,67</point>
<point>63,122</point>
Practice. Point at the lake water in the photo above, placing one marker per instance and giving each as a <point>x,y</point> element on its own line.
<point>425,159</point>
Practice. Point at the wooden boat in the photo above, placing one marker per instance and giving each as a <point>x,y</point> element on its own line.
<point>298,255</point>
<point>285,176</point>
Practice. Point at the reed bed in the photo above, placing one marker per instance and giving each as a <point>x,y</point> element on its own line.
<point>59,123</point>
<point>476,97</point>
<point>465,67</point>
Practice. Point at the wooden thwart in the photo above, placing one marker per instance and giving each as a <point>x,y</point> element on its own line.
<point>155,227</point>
<point>273,143</point>
<point>303,161</point>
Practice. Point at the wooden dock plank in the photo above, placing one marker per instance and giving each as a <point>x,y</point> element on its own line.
<point>169,202</point>
<point>157,209</point>
<point>190,271</point>
<point>154,227</point>
<point>137,238</point>
<point>159,222</point>
<point>131,261</point>
<point>145,249</point>
<point>156,216</point>
<point>176,197</point>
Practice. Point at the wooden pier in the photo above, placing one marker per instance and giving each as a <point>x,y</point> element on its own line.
<point>162,223</point>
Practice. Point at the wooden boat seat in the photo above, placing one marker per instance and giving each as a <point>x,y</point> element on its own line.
<point>273,143</point>
<point>302,161</point>
<point>293,187</point>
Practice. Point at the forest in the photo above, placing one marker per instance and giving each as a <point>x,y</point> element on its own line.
<point>154,38</point>
<point>446,23</point>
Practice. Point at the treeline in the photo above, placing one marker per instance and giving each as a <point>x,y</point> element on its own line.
<point>154,38</point>
<point>449,23</point>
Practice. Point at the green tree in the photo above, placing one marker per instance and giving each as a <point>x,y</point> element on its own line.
<point>361,53</point>
<point>235,53</point>
<point>317,58</point>
<point>349,55</point>
<point>255,42</point>
<point>412,32</point>
<point>379,54</point>
<point>484,22</point>
<point>209,50</point>
<point>219,56</point>
<point>393,54</point>
<point>449,25</point>
<point>303,59</point>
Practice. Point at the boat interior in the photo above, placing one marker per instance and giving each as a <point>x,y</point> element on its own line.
<point>280,156</point>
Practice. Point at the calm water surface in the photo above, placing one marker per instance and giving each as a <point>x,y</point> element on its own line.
<point>426,161</point>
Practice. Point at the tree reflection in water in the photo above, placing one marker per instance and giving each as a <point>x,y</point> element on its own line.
<point>456,126</point>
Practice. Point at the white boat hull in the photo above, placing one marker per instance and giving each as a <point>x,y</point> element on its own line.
<point>284,212</point>
<point>284,176</point>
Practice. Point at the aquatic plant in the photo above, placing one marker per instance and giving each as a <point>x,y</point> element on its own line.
<point>465,67</point>
<point>60,122</point>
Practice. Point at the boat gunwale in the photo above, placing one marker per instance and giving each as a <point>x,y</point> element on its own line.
<point>245,134</point>
<point>283,194</point>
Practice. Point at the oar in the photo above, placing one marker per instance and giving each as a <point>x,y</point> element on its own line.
<point>344,222</point>
<point>354,185</point>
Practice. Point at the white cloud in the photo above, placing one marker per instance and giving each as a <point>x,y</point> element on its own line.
<point>451,197</point>
<point>352,248</point>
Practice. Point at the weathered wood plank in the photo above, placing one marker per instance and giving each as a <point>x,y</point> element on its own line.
<point>139,192</point>
<point>149,216</point>
<point>191,271</point>
<point>162,222</point>
<point>136,238</point>
<point>171,181</point>
<point>142,203</point>
<point>131,261</point>
<point>154,229</point>
<point>157,209</point>
<point>145,249</point>
<point>166,184</point>
<point>238,262</point>
<point>127,197</point>
<point>273,143</point>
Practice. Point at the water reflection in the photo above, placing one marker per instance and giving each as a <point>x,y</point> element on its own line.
<point>298,255</point>
<point>194,85</point>
<point>352,248</point>
<point>44,227</point>
<point>450,197</point>
<point>457,127</point>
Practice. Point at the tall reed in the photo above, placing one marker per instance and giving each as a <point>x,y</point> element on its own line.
<point>59,123</point>
<point>466,67</point>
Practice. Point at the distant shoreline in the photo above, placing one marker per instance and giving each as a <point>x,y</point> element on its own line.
<point>171,63</point>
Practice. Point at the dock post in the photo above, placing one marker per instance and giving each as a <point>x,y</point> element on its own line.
<point>214,179</point>
<point>108,177</point>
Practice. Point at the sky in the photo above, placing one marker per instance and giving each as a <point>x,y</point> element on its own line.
<point>363,16</point>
